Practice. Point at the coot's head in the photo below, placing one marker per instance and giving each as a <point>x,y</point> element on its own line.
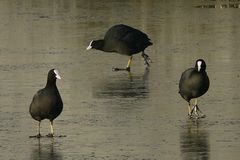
<point>200,65</point>
<point>98,44</point>
<point>53,75</point>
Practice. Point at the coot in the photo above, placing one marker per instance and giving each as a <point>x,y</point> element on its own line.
<point>194,83</point>
<point>47,102</point>
<point>124,40</point>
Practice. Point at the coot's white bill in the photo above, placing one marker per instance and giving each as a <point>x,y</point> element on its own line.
<point>57,74</point>
<point>199,64</point>
<point>90,46</point>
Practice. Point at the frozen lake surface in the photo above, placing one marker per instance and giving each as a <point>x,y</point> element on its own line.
<point>114,115</point>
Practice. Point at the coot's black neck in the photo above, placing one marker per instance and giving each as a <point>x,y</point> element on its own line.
<point>51,83</point>
<point>201,70</point>
<point>98,44</point>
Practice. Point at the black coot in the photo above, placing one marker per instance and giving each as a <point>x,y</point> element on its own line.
<point>124,40</point>
<point>194,83</point>
<point>47,102</point>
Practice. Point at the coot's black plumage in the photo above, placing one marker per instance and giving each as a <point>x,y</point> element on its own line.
<point>124,40</point>
<point>47,102</point>
<point>194,83</point>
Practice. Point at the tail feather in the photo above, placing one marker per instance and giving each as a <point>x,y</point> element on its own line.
<point>150,43</point>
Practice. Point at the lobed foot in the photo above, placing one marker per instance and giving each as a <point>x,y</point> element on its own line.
<point>196,113</point>
<point>50,135</point>
<point>121,69</point>
<point>202,116</point>
<point>147,59</point>
<point>47,136</point>
<point>36,136</point>
<point>189,116</point>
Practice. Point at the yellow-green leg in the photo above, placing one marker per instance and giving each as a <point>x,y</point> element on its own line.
<point>197,110</point>
<point>51,126</point>
<point>51,134</point>
<point>39,126</point>
<point>129,64</point>
<point>146,58</point>
<point>124,69</point>
<point>189,110</point>
<point>196,102</point>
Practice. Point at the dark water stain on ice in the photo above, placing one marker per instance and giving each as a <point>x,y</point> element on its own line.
<point>123,86</point>
<point>45,150</point>
<point>194,141</point>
